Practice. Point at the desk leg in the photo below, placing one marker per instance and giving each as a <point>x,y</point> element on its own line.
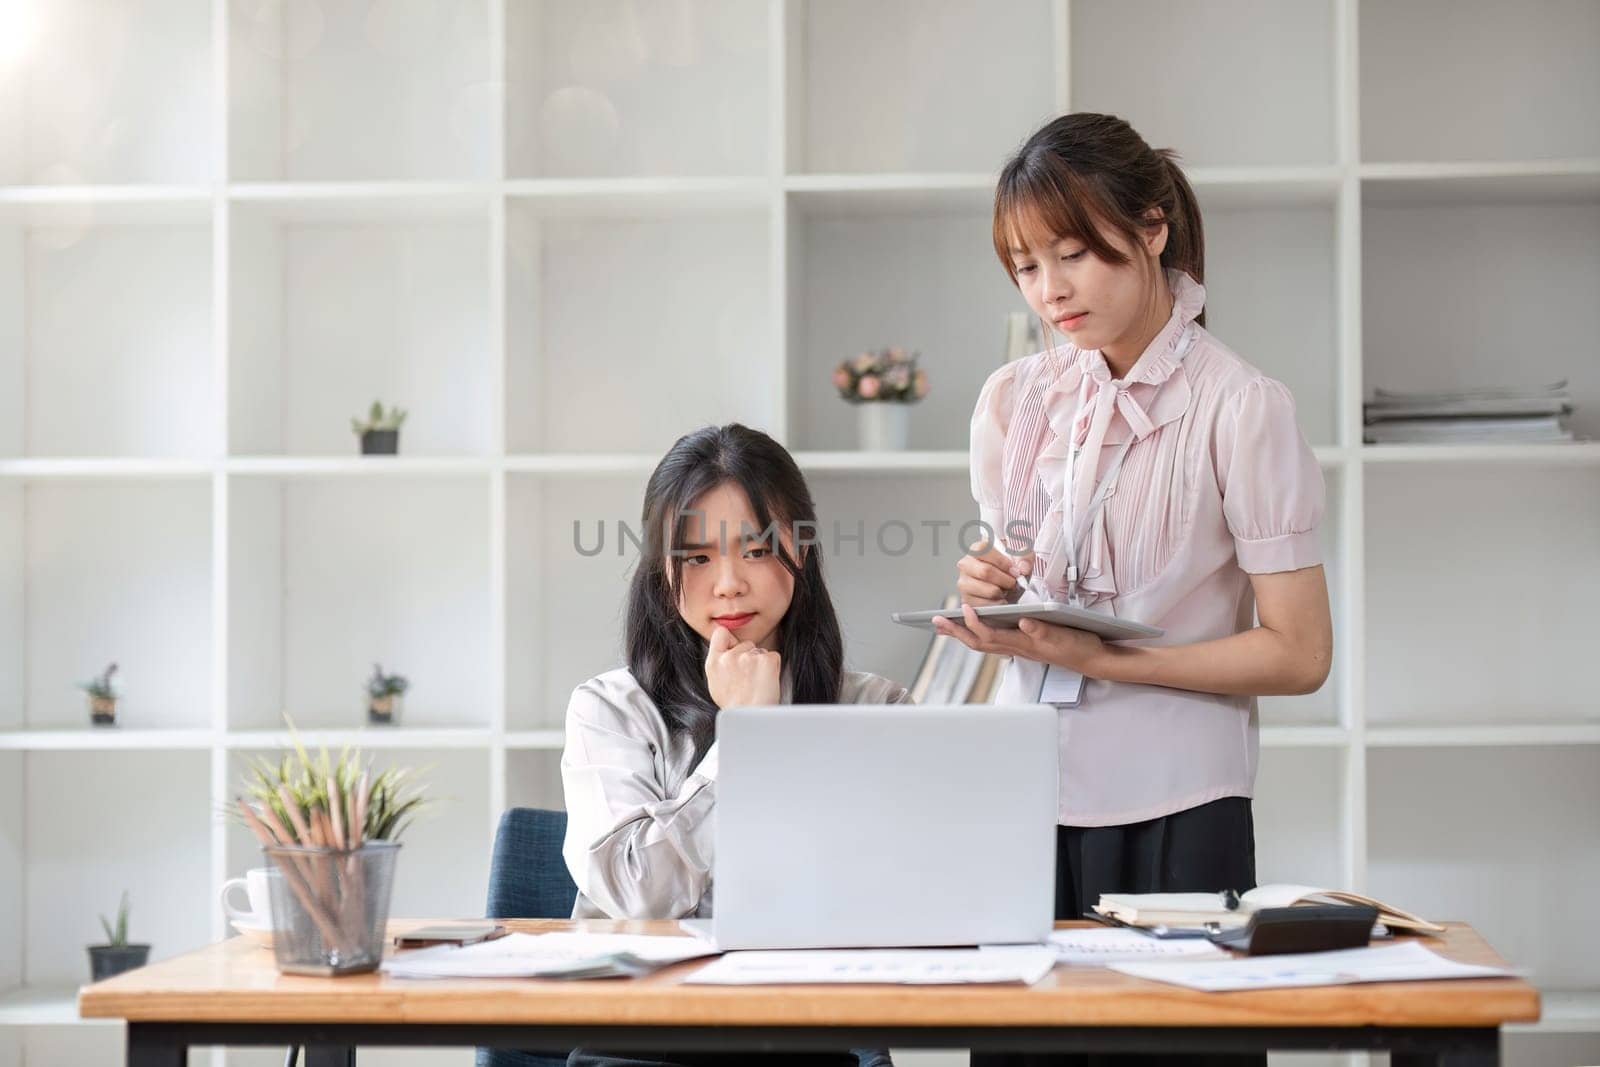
<point>330,1056</point>
<point>156,1045</point>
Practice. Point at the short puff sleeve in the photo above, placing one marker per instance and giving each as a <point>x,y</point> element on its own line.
<point>1273,494</point>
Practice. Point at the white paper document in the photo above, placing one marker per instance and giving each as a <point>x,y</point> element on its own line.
<point>1405,962</point>
<point>1008,964</point>
<point>1100,946</point>
<point>555,955</point>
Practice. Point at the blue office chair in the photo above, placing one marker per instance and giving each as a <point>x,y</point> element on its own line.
<point>528,879</point>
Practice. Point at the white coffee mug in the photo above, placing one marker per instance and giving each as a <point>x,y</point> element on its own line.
<point>259,893</point>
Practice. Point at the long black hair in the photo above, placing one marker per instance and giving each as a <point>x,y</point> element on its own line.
<point>665,654</point>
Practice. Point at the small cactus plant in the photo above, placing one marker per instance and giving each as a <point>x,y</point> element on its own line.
<point>117,933</point>
<point>380,433</point>
<point>383,694</point>
<point>379,419</point>
<point>116,955</point>
<point>103,691</point>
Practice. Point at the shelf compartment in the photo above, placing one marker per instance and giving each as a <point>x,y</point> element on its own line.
<point>1497,567</point>
<point>1297,810</point>
<point>156,849</point>
<point>568,563</point>
<point>106,95</point>
<point>1271,297</point>
<point>870,86</point>
<point>936,288</point>
<point>904,559</point>
<point>1436,74</point>
<point>657,321</point>
<point>1440,313</point>
<point>533,780</point>
<point>1476,834</point>
<point>1233,48</point>
<point>329,313</point>
<point>106,344</point>
<point>95,564</point>
<point>338,91</point>
<point>328,576</point>
<point>616,87</point>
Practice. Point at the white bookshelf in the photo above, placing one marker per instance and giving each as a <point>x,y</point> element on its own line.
<point>563,233</point>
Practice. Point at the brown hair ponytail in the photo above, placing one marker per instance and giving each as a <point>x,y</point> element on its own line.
<point>1083,171</point>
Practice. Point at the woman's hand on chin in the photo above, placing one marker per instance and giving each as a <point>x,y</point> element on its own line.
<point>741,673</point>
<point>1044,642</point>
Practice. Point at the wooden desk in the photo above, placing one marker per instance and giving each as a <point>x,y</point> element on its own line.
<point>231,994</point>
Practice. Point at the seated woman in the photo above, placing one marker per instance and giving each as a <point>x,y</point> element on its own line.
<point>726,607</point>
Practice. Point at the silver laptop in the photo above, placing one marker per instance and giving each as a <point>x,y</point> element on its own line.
<point>868,825</point>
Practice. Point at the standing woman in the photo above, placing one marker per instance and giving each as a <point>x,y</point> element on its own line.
<point>1156,476</point>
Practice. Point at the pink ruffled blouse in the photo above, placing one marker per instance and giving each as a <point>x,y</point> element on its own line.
<point>1219,483</point>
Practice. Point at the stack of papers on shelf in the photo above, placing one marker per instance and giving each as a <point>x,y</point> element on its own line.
<point>1197,909</point>
<point>1506,415</point>
<point>557,955</point>
<point>1408,961</point>
<point>993,965</point>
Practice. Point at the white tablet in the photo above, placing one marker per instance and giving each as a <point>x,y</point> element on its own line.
<point>1006,617</point>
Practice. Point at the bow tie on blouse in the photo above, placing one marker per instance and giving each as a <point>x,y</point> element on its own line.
<point>1081,407</point>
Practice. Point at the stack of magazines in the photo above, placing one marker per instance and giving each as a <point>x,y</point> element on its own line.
<point>1518,415</point>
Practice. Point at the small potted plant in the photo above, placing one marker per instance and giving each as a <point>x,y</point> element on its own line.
<point>383,696</point>
<point>116,955</point>
<point>380,433</point>
<point>883,384</point>
<point>103,690</point>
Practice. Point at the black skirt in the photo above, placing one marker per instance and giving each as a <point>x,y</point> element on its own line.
<point>1202,850</point>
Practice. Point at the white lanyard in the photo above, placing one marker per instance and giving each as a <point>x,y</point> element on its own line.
<point>1066,562</point>
<point>1072,543</point>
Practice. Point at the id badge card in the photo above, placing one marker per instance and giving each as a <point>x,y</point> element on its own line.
<point>1061,687</point>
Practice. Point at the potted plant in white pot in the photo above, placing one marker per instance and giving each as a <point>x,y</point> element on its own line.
<point>116,955</point>
<point>103,690</point>
<point>883,384</point>
<point>383,696</point>
<point>380,432</point>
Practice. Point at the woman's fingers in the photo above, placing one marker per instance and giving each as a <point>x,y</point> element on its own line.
<point>722,640</point>
<point>978,591</point>
<point>985,578</point>
<point>957,631</point>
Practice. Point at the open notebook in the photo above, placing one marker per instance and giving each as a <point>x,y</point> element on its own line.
<point>1195,909</point>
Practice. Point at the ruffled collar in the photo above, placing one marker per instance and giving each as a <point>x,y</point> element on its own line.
<point>1085,406</point>
<point>1145,406</point>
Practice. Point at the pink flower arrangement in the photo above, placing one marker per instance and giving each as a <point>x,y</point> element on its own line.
<point>884,375</point>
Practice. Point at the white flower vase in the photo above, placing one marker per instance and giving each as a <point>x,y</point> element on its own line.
<point>885,426</point>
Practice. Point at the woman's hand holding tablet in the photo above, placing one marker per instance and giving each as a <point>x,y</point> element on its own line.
<point>1002,616</point>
